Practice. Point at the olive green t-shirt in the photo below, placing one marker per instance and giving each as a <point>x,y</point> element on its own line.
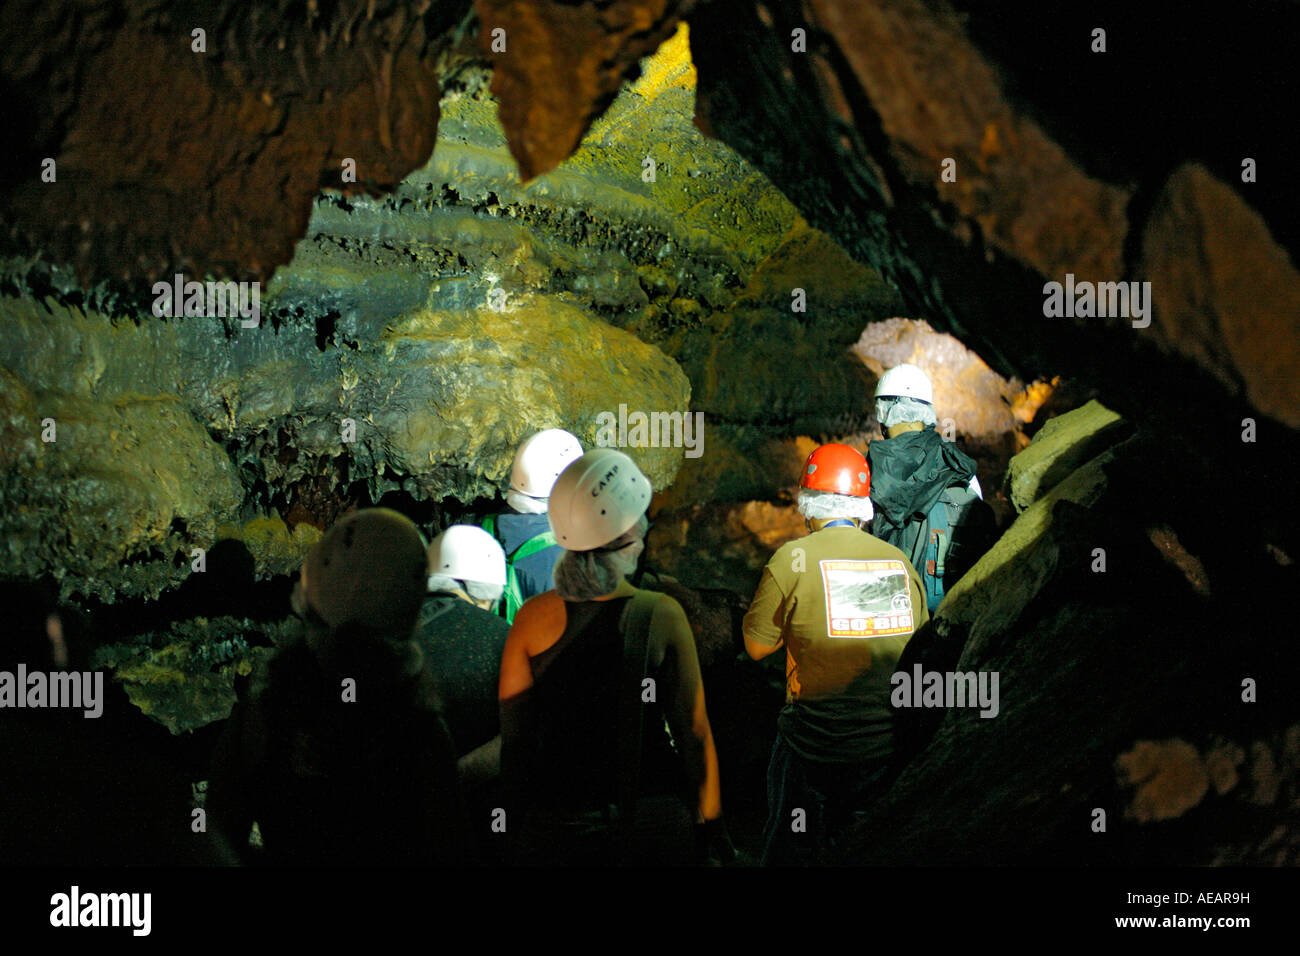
<point>845,604</point>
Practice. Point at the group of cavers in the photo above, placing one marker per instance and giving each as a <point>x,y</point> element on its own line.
<point>506,694</point>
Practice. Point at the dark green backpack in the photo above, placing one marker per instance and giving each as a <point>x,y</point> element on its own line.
<point>943,545</point>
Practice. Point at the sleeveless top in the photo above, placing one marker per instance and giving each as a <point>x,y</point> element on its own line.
<point>576,688</point>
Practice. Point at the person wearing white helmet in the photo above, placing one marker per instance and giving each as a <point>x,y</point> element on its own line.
<point>924,489</point>
<point>469,563</point>
<point>522,530</point>
<point>585,670</point>
<point>461,638</point>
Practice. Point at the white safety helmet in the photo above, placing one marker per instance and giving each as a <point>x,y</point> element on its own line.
<point>598,498</point>
<point>468,553</point>
<point>905,380</point>
<point>540,459</point>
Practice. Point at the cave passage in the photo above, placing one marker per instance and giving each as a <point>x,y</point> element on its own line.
<point>289,357</point>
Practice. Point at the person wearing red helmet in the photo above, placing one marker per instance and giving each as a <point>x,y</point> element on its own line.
<point>842,604</point>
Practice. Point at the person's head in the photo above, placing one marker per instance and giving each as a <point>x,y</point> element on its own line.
<point>597,515</point>
<point>364,581</point>
<point>538,463</point>
<point>835,485</point>
<point>904,400</point>
<point>468,562</point>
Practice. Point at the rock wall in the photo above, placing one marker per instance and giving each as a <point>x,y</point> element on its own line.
<point>161,433</point>
<point>1114,643</point>
<point>852,108</point>
<point>144,106</point>
<point>855,108</point>
<point>416,339</point>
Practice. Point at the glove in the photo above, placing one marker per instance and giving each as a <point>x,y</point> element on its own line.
<point>713,846</point>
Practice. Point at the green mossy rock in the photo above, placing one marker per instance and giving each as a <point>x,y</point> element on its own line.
<point>1063,444</point>
<point>184,678</point>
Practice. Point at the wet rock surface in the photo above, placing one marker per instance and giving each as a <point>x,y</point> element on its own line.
<point>416,339</point>
<point>141,116</point>
<point>151,458</point>
<point>132,477</point>
<point>184,678</point>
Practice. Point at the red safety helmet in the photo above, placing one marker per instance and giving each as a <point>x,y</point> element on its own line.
<point>837,468</point>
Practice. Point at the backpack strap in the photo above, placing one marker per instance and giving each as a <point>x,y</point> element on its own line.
<point>635,627</point>
<point>915,541</point>
<point>489,524</point>
<point>940,532</point>
<point>538,542</point>
<point>513,596</point>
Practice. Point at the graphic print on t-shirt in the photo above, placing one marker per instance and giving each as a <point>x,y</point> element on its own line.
<point>867,598</point>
